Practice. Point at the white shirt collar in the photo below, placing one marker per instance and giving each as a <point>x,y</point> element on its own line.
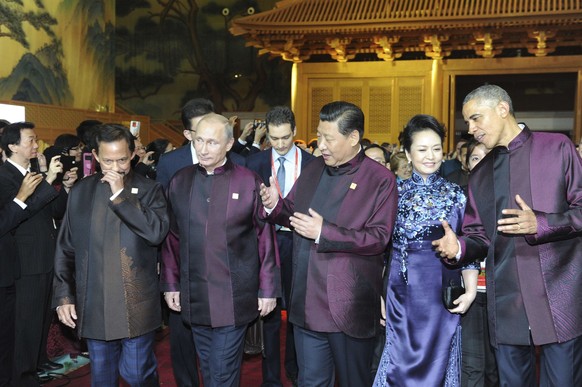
<point>22,170</point>
<point>289,156</point>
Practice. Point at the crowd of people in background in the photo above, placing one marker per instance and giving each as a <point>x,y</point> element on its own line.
<point>397,264</point>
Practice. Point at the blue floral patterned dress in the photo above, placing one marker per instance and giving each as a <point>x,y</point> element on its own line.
<point>422,337</point>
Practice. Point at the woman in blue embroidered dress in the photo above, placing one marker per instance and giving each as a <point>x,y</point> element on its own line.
<point>423,337</point>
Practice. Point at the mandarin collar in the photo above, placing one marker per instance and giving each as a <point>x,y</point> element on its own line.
<point>348,166</point>
<point>218,170</point>
<point>418,180</point>
<point>520,139</point>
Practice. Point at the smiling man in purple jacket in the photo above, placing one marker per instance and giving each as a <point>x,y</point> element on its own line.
<point>524,212</point>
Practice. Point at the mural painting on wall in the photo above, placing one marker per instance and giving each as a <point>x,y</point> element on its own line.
<point>58,52</point>
<point>171,51</point>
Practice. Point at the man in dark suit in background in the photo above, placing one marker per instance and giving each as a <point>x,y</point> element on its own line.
<point>11,214</point>
<point>250,140</point>
<point>35,238</point>
<point>284,160</point>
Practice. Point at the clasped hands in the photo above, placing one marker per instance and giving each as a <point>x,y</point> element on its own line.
<point>306,225</point>
<point>518,222</point>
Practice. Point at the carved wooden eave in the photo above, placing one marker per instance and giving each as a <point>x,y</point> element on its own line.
<point>298,29</point>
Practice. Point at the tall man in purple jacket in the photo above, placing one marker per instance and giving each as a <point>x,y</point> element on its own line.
<point>342,210</point>
<point>219,261</point>
<point>524,212</point>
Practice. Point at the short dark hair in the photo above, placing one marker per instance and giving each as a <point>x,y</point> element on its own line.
<point>111,133</point>
<point>420,123</point>
<point>66,141</point>
<point>3,123</point>
<point>280,115</point>
<point>11,135</point>
<point>86,130</point>
<point>158,146</point>
<point>195,108</point>
<point>348,117</point>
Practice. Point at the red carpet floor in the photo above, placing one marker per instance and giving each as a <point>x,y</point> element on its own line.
<point>251,368</point>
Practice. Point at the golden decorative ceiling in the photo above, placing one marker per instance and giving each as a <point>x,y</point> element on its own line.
<point>298,29</point>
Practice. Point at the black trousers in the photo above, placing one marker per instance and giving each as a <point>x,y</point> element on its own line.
<point>220,351</point>
<point>183,352</point>
<point>479,367</point>
<point>560,364</point>
<point>33,299</point>
<point>321,356</point>
<point>271,365</point>
<point>7,309</point>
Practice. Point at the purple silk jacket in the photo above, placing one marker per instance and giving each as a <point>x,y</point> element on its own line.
<point>218,254</point>
<point>350,252</point>
<point>548,263</point>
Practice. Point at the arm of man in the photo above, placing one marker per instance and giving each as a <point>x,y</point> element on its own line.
<point>276,210</point>
<point>370,239</point>
<point>475,240</point>
<point>170,265</point>
<point>566,220</point>
<point>13,213</point>
<point>269,269</point>
<point>64,284</point>
<point>145,213</point>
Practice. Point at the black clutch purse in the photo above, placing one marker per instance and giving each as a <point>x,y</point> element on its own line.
<point>451,293</point>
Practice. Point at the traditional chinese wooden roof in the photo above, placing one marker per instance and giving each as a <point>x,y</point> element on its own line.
<point>298,29</point>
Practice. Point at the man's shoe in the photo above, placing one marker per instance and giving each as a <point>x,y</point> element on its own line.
<point>292,378</point>
<point>44,379</point>
<point>50,366</point>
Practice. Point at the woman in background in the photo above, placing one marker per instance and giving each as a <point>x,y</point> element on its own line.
<point>400,166</point>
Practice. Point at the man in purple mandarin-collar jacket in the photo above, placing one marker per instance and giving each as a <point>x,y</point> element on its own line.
<point>342,209</point>
<point>219,261</point>
<point>524,212</point>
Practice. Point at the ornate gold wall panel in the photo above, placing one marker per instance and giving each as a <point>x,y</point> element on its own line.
<point>410,92</point>
<point>380,107</point>
<point>320,93</point>
<point>391,93</point>
<point>386,92</point>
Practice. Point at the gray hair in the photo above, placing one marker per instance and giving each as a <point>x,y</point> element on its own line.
<point>491,95</point>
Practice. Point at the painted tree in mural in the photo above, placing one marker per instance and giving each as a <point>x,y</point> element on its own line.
<point>38,76</point>
<point>13,16</point>
<point>184,43</point>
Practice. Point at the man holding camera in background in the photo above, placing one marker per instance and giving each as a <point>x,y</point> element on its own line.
<point>251,138</point>
<point>35,239</point>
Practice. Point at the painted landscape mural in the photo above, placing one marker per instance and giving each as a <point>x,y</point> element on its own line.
<point>169,51</point>
<point>58,52</point>
<point>144,56</point>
